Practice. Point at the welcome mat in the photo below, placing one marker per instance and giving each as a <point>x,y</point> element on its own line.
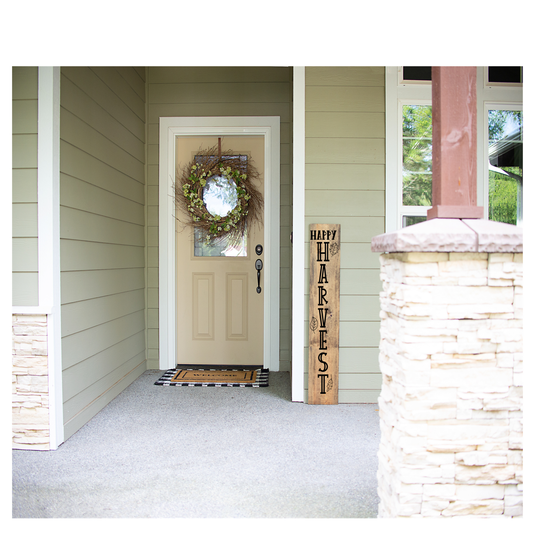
<point>188,377</point>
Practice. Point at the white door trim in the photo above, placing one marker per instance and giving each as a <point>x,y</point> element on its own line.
<point>169,129</point>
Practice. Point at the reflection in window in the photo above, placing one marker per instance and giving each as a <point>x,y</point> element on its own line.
<point>220,195</point>
<point>417,155</point>
<point>235,249</point>
<point>410,220</point>
<point>505,166</point>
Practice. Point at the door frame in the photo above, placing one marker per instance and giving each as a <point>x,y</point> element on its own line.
<point>169,129</point>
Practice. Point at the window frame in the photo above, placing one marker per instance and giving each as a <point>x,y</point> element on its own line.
<point>399,92</point>
<point>503,84</point>
<point>407,210</point>
<point>402,81</point>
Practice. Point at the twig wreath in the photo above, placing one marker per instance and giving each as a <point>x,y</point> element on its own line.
<point>218,172</point>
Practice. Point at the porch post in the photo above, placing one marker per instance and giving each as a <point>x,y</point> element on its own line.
<point>454,104</point>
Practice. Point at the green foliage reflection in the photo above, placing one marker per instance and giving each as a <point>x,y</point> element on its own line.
<point>417,155</point>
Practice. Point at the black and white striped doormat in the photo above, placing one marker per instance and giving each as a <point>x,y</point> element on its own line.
<point>166,379</point>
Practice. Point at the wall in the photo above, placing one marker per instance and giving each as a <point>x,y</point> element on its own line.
<point>219,91</point>
<point>24,163</point>
<point>102,236</point>
<point>345,184</point>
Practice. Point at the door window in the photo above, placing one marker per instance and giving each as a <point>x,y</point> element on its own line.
<point>234,249</point>
<point>220,197</point>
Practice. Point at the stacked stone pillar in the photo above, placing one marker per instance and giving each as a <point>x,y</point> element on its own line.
<point>30,394</point>
<point>451,358</point>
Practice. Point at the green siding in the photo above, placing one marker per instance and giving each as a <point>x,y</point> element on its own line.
<point>102,213</point>
<point>345,184</point>
<point>25,86</point>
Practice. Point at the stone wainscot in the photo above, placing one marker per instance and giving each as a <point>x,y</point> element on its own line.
<point>30,418</point>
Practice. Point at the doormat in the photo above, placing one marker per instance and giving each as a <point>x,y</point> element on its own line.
<point>181,377</point>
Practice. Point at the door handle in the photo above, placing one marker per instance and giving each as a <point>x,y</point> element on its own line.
<point>259,267</point>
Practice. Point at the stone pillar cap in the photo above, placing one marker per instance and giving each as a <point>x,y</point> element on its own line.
<point>452,235</point>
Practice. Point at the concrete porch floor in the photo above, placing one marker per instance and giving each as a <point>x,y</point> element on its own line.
<point>180,452</point>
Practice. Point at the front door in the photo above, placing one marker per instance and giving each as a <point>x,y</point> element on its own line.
<point>219,307</point>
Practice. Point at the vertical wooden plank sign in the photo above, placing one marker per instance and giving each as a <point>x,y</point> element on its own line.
<point>324,308</point>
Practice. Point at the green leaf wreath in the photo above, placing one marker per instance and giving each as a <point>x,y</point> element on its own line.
<point>189,191</point>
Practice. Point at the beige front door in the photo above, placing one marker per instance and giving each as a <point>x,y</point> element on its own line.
<point>219,310</point>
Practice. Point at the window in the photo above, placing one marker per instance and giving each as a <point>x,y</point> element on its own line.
<point>506,75</point>
<point>220,197</point>
<point>505,165</point>
<point>416,74</point>
<point>417,161</point>
<point>409,143</point>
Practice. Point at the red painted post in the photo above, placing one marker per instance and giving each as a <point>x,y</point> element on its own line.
<point>454,143</point>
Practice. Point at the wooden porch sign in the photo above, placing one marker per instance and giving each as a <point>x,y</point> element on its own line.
<point>324,307</point>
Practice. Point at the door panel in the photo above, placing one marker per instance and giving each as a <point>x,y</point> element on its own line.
<point>237,306</point>
<point>203,305</point>
<point>219,311</point>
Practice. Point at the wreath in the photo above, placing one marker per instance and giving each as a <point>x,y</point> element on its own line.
<point>215,169</point>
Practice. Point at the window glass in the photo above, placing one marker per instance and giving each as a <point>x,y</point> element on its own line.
<point>505,74</point>
<point>417,73</point>
<point>417,155</point>
<point>410,220</point>
<point>220,195</point>
<point>505,166</point>
<point>225,249</point>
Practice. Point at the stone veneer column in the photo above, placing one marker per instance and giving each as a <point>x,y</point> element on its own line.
<point>30,418</point>
<point>451,359</point>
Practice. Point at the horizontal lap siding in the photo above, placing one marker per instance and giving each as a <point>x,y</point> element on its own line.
<point>102,215</point>
<point>219,91</point>
<point>25,290</point>
<point>345,184</point>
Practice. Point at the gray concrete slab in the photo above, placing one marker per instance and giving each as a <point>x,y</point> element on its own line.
<point>184,452</point>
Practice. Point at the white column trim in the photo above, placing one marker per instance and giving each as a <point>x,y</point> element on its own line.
<point>391,150</point>
<point>49,238</point>
<point>298,235</point>
<point>167,247</point>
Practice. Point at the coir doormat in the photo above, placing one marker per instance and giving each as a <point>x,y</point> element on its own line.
<point>181,377</point>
